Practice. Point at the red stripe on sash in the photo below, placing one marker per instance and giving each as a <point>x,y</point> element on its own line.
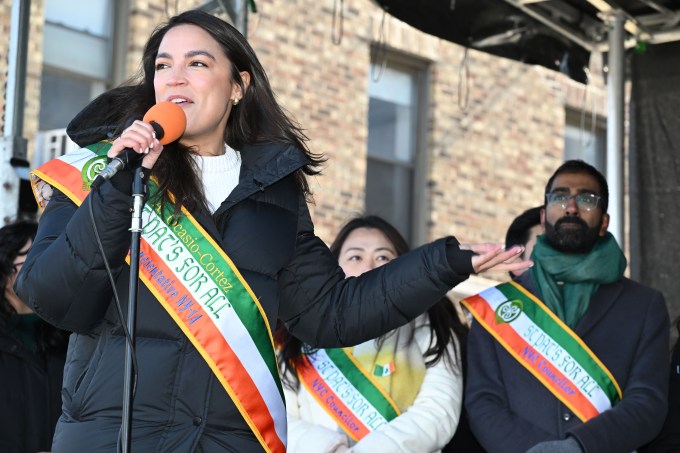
<point>512,338</point>
<point>215,346</point>
<point>70,181</point>
<point>330,402</point>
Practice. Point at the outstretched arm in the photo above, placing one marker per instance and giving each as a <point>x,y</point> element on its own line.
<point>323,309</point>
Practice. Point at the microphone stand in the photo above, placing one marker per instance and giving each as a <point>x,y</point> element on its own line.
<point>138,191</point>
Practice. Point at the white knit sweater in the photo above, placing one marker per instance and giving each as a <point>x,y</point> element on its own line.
<point>219,175</point>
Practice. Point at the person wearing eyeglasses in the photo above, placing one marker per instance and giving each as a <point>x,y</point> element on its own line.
<point>571,356</point>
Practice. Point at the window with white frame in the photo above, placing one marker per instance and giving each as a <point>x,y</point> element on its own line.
<point>393,115</point>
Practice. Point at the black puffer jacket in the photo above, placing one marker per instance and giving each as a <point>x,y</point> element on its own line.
<point>268,233</point>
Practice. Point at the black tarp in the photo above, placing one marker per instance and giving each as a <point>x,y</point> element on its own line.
<point>655,170</point>
<point>500,28</point>
<point>476,23</point>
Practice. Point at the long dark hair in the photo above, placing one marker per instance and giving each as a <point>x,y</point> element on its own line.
<point>13,238</point>
<point>257,119</point>
<point>444,321</point>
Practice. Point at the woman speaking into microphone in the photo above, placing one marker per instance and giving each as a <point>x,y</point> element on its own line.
<point>228,250</point>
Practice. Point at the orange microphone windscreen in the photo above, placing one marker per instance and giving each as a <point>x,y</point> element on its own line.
<point>171,119</point>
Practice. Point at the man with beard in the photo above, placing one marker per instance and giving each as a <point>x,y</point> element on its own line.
<point>572,356</point>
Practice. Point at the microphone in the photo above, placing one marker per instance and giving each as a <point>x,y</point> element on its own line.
<point>168,121</point>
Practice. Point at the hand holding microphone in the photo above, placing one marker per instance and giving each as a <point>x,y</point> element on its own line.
<point>143,140</point>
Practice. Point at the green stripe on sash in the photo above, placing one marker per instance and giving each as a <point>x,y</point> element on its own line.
<point>223,273</point>
<point>570,344</point>
<point>361,382</point>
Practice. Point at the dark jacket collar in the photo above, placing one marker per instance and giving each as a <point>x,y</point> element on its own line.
<point>263,165</point>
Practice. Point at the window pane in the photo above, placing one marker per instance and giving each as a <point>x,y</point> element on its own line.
<point>393,86</point>
<point>61,98</point>
<point>86,16</point>
<point>77,36</point>
<point>390,114</point>
<point>76,52</point>
<point>390,132</point>
<point>389,194</point>
<point>584,142</point>
<point>392,128</point>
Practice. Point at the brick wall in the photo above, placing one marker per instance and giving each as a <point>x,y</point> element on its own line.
<point>486,162</point>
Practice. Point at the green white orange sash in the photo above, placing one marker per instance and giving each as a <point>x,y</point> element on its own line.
<point>546,347</point>
<point>346,392</point>
<point>203,292</point>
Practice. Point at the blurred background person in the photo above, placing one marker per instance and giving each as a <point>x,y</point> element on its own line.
<point>32,355</point>
<point>668,440</point>
<point>523,231</point>
<point>415,369</point>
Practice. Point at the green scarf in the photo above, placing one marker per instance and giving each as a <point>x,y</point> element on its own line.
<point>580,275</point>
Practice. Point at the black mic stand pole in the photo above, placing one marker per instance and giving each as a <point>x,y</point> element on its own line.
<point>138,191</point>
